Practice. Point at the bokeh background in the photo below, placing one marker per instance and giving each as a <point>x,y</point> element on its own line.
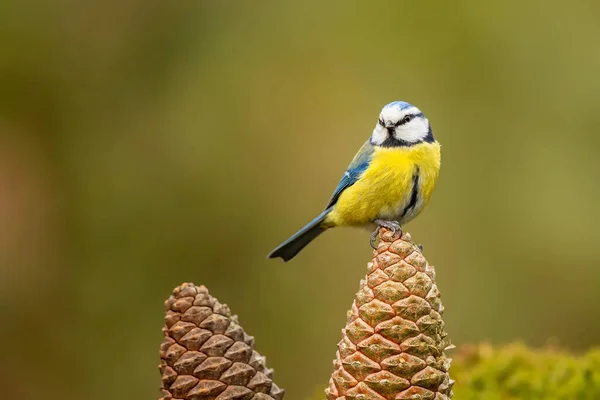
<point>148,143</point>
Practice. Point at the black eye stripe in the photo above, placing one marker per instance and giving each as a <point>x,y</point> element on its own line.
<point>405,120</point>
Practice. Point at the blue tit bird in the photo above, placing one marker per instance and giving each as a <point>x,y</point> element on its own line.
<point>388,183</point>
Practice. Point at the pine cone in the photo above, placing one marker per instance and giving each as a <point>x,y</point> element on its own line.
<point>206,355</point>
<point>394,341</point>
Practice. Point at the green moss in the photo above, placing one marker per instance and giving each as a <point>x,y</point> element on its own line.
<point>517,372</point>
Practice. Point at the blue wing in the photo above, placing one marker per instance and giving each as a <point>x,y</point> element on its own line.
<point>357,166</point>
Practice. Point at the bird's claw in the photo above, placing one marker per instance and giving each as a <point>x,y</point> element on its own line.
<point>374,237</point>
<point>394,226</point>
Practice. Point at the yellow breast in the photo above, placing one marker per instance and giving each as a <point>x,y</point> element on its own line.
<point>385,190</point>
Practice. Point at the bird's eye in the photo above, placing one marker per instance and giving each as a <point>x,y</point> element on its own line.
<point>404,120</point>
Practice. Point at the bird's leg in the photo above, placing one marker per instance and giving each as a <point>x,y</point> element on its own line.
<point>394,226</point>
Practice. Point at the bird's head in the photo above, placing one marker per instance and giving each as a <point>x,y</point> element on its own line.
<point>401,124</point>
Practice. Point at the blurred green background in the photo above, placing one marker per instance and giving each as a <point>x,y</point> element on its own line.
<point>148,143</point>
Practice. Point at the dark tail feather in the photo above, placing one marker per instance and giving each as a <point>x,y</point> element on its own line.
<point>288,249</point>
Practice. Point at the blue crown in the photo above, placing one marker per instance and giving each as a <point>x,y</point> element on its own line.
<point>399,104</point>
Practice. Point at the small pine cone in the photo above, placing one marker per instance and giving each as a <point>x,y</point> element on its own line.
<point>393,344</point>
<point>206,355</point>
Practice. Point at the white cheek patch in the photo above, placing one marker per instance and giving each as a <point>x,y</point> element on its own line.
<point>413,131</point>
<point>379,135</point>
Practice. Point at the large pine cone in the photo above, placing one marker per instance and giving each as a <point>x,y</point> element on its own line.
<point>206,355</point>
<point>393,344</point>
